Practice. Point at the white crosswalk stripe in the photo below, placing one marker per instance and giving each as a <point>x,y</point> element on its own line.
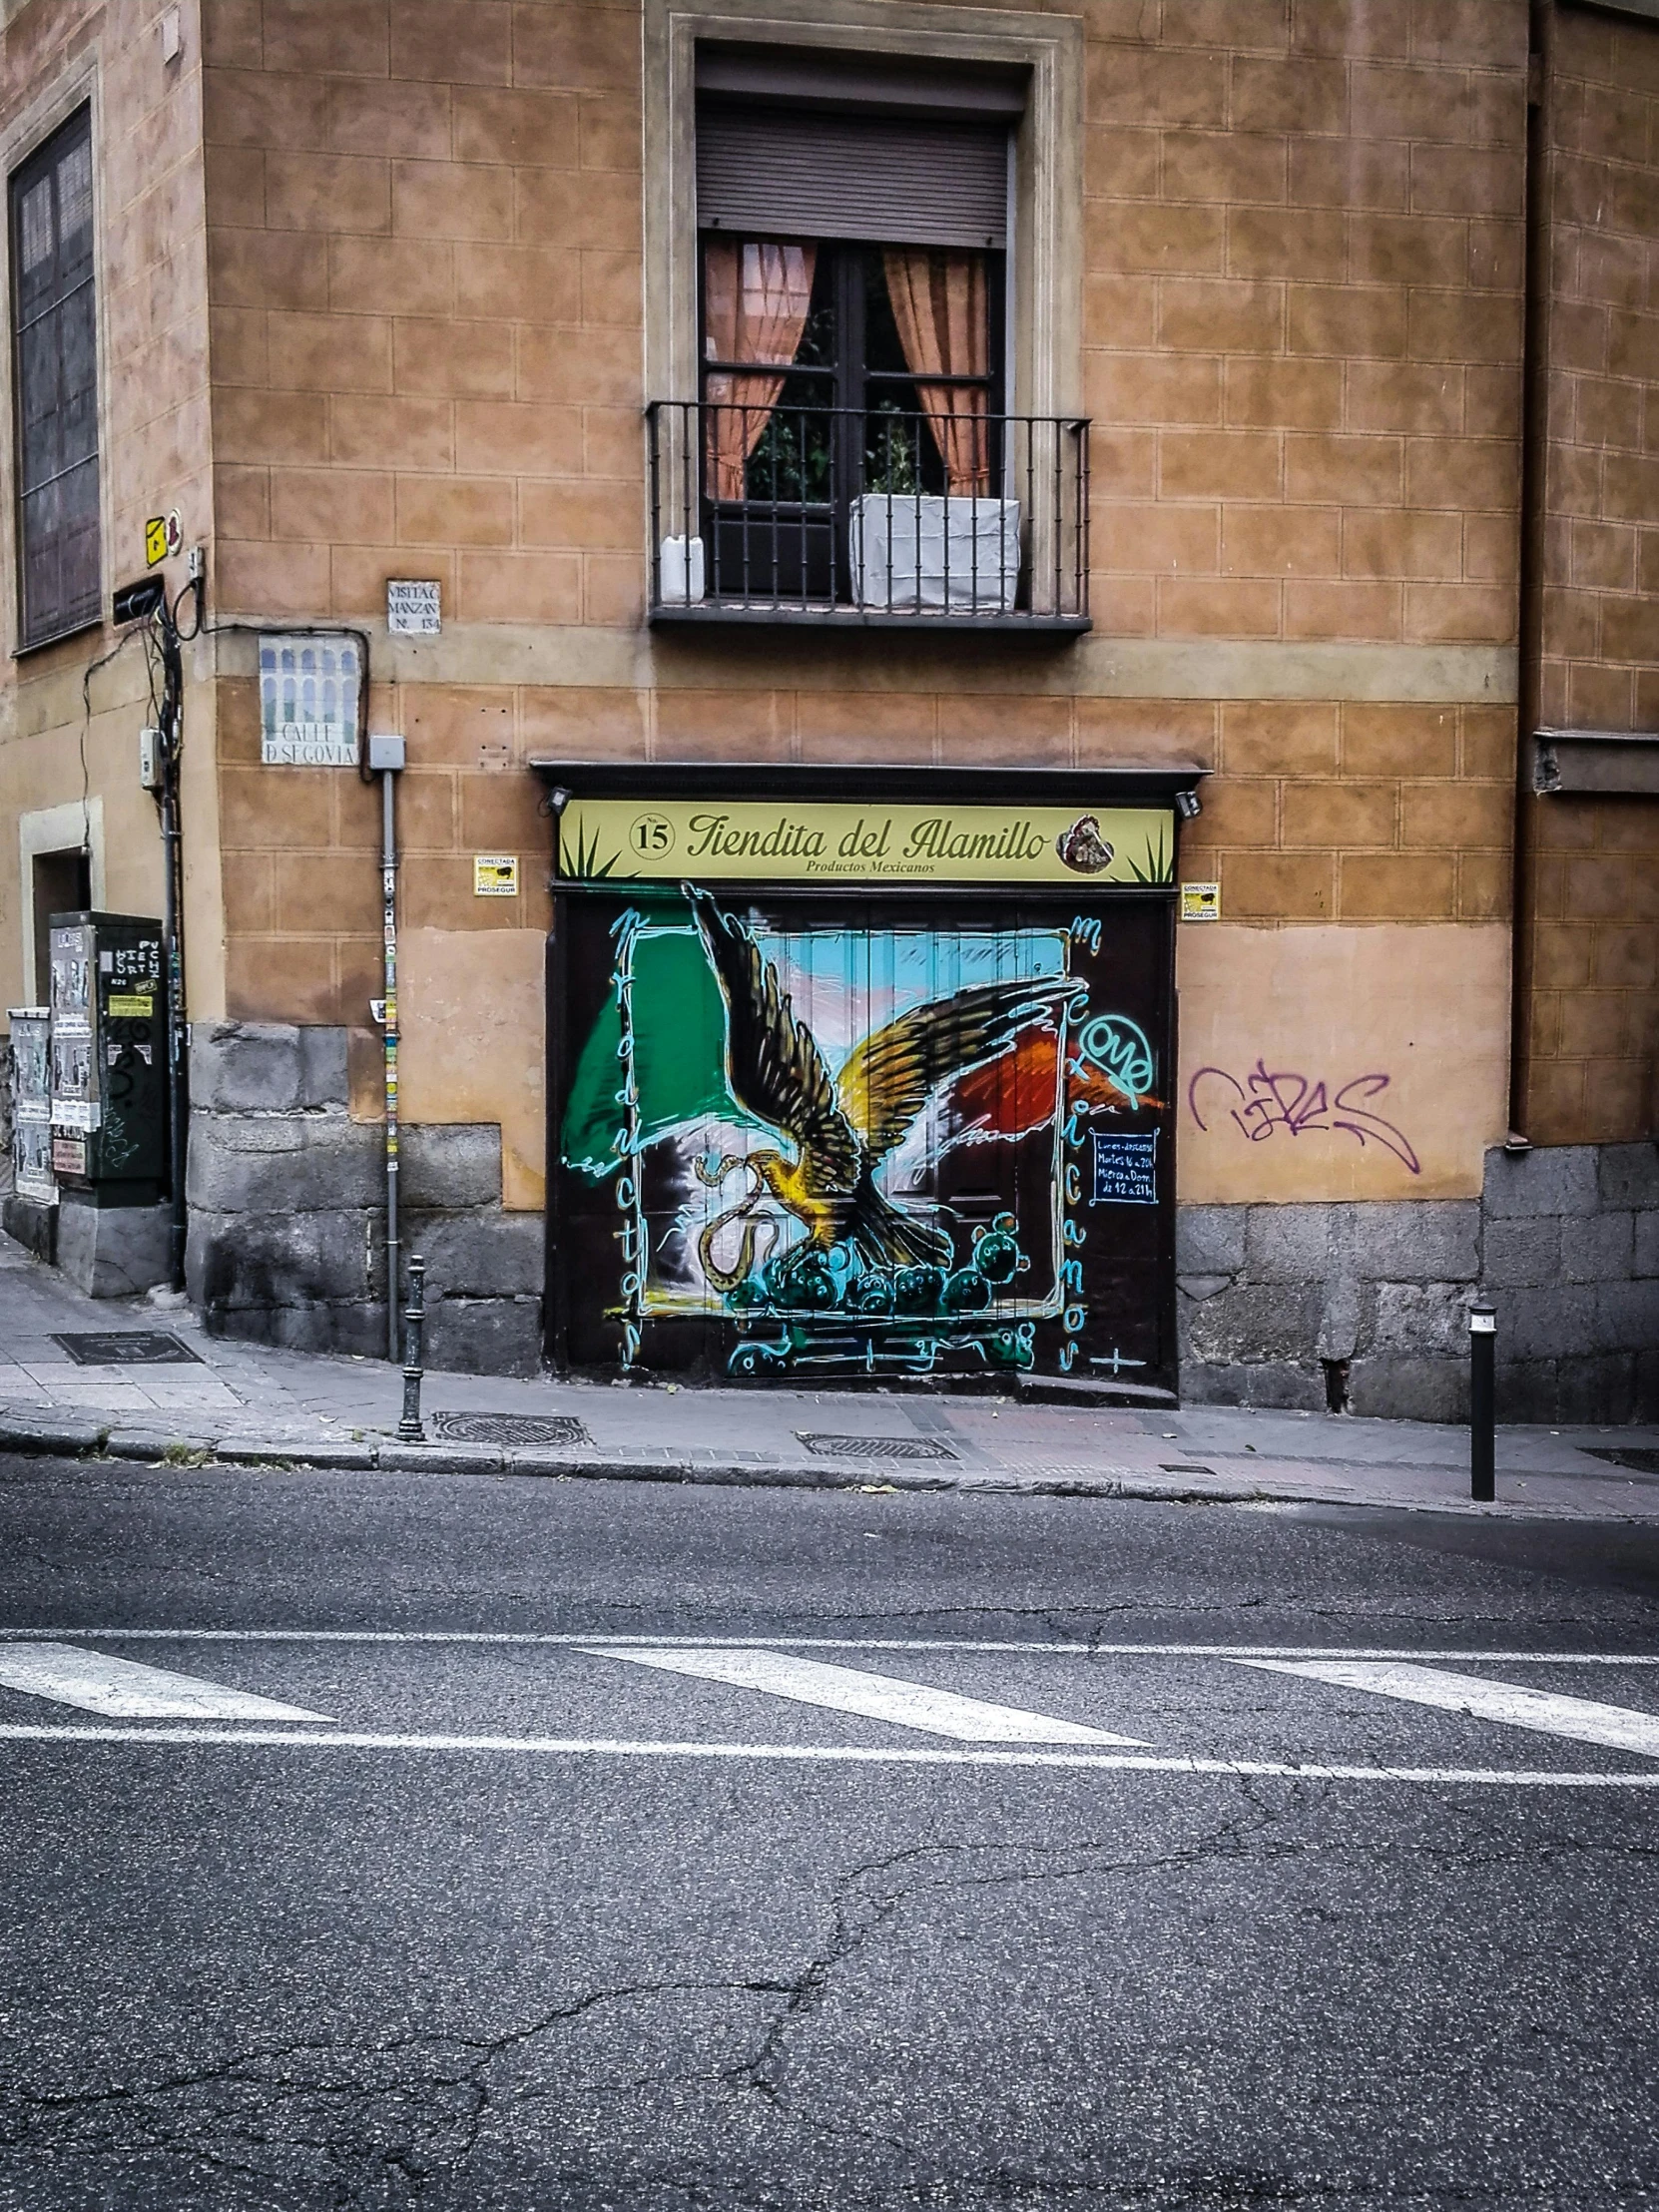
<point>1616,1727</point>
<point>119,1688</point>
<point>877,1697</point>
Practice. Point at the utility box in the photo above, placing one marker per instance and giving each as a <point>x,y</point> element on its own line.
<point>107,1058</point>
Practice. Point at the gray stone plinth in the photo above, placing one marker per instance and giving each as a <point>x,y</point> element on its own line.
<point>113,1251</point>
<point>34,1226</point>
<point>1565,1241</point>
<point>265,1067</point>
<point>289,1211</point>
<point>484,1336</point>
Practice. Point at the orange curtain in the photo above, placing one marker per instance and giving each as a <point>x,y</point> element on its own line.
<point>755,303</point>
<point>938,303</point>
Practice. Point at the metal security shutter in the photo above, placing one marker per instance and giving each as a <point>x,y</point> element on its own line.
<point>779,172</point>
<point>56,354</point>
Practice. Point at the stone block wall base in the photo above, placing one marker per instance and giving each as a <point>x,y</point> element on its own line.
<point>113,1251</point>
<point>1364,1308</point>
<point>288,1212</point>
<point>34,1226</point>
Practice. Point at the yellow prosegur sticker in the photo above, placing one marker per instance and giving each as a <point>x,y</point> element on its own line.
<point>155,540</point>
<point>495,876</point>
<point>131,1007</point>
<point>1201,902</point>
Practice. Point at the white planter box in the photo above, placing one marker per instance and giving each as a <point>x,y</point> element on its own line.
<point>934,553</point>
<point>680,577</point>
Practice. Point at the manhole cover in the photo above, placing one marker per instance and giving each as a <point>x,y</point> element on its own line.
<point>127,1348</point>
<point>1637,1458</point>
<point>875,1447</point>
<point>511,1428</point>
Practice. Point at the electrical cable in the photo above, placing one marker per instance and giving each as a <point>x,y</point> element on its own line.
<point>87,675</point>
<point>366,774</point>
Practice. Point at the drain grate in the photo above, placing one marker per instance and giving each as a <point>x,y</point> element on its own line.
<point>511,1428</point>
<point>1637,1458</point>
<point>1172,1467</point>
<point>127,1348</point>
<point>875,1447</point>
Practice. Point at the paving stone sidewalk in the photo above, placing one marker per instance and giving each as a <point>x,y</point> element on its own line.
<point>252,1404</point>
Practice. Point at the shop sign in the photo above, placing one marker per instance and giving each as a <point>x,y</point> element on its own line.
<point>782,842</point>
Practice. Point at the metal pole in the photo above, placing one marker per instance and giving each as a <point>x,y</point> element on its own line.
<point>1483,1401</point>
<point>388,903</point>
<point>173,945</point>
<point>410,1430</point>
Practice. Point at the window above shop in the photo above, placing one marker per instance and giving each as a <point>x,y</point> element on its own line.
<point>55,387</point>
<point>850,454</point>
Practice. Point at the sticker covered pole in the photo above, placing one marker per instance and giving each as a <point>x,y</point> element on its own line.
<point>386,755</point>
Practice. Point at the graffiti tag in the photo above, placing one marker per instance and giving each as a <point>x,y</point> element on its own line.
<point>1265,1102</point>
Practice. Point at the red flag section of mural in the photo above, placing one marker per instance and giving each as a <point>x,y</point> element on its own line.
<point>1010,1096</point>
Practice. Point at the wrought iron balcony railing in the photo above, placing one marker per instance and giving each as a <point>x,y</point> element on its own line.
<point>874,516</point>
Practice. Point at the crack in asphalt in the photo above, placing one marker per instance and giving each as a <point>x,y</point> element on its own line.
<point>858,1918</point>
<point>343,2123</point>
<point>435,2086</point>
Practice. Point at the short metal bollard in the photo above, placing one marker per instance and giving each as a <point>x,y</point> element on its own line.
<point>410,1430</point>
<point>1483,1401</point>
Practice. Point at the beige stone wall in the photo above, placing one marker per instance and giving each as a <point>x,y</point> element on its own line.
<point>153,348</point>
<point>1588,950</point>
<point>1333,1063</point>
<point>1301,266</point>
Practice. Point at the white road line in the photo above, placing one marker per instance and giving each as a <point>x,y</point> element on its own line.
<point>585,1747</point>
<point>875,1697</point>
<point>582,1641</point>
<point>124,1691</point>
<point>1617,1727</point>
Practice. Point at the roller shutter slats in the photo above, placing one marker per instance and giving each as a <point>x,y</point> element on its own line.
<point>909,182</point>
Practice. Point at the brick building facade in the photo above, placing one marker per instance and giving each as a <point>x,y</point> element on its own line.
<point>1357,298</point>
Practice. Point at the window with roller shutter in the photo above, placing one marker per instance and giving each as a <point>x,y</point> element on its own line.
<point>54,383</point>
<point>850,454</point>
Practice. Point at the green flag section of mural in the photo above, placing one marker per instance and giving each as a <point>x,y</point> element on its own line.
<point>679,1025</point>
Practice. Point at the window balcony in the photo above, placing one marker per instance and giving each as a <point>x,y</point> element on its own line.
<point>868,518</point>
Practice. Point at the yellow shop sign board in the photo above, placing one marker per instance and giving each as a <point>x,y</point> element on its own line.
<point>780,841</point>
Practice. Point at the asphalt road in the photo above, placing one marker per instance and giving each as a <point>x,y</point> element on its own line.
<point>649,1847</point>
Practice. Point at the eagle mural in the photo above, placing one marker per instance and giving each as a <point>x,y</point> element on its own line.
<point>840,1128</point>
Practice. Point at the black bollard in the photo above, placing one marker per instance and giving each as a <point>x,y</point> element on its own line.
<point>410,1430</point>
<point>1483,1401</point>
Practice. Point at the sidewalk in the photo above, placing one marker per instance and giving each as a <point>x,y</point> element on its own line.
<point>253,1406</point>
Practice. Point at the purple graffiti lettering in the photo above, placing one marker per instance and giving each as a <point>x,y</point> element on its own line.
<point>1280,1099</point>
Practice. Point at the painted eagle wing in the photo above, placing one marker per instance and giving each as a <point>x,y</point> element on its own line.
<point>773,1062</point>
<point>891,1076</point>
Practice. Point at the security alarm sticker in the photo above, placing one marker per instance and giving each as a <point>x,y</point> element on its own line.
<point>495,875</point>
<point>1201,902</point>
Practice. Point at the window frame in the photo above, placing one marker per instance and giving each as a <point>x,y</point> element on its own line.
<point>38,152</point>
<point>852,385</point>
<point>1044,354</point>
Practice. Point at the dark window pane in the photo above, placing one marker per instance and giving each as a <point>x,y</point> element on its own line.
<point>77,375</point>
<point>56,355</point>
<point>78,575</point>
<point>38,400</point>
